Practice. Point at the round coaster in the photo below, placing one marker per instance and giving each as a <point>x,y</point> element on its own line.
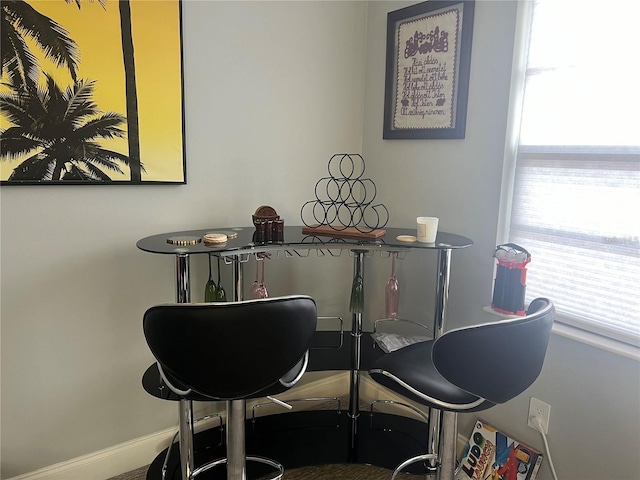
<point>215,238</point>
<point>229,235</point>
<point>406,238</point>
<point>184,240</point>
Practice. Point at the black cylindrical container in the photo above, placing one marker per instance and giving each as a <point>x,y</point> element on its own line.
<point>511,279</point>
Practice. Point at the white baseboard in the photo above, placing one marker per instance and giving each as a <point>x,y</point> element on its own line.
<point>136,453</point>
<point>106,463</point>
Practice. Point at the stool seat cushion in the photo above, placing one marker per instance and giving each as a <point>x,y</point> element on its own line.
<point>425,385</point>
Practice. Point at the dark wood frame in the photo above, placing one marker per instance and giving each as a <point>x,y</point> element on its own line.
<point>457,105</point>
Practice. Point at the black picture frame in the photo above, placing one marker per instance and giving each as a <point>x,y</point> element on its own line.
<point>427,70</point>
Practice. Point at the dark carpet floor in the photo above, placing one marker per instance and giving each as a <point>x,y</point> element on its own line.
<point>321,472</point>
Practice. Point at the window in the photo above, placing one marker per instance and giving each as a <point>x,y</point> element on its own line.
<point>575,202</point>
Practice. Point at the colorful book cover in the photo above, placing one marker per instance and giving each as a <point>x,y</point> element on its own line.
<point>492,455</point>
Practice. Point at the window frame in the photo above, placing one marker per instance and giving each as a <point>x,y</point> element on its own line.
<point>564,326</point>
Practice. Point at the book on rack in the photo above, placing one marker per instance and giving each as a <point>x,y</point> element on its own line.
<point>493,455</point>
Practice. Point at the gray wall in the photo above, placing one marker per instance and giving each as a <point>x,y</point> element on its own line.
<point>74,286</point>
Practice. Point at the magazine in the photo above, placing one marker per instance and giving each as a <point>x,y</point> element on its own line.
<point>492,455</point>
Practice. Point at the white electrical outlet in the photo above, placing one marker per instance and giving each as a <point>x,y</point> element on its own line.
<point>540,410</point>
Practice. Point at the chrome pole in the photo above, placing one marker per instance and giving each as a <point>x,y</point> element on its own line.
<point>236,455</point>
<point>442,291</point>
<point>448,446</point>
<point>442,297</point>
<point>356,338</point>
<point>183,289</point>
<point>186,438</point>
<point>433,442</point>
<point>238,291</point>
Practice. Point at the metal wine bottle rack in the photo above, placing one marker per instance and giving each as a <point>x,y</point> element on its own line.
<point>345,198</point>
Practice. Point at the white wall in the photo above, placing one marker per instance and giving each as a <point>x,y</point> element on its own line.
<point>272,91</point>
<point>594,395</point>
<point>74,286</point>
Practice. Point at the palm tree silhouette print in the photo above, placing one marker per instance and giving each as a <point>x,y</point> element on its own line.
<point>74,157</point>
<point>58,131</point>
<point>131,90</point>
<point>19,21</point>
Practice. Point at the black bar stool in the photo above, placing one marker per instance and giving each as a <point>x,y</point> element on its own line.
<point>229,351</point>
<point>468,370</point>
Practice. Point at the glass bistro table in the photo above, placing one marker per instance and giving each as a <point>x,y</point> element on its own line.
<point>279,436</point>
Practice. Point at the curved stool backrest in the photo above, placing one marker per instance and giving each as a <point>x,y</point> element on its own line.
<point>230,350</point>
<point>498,360</point>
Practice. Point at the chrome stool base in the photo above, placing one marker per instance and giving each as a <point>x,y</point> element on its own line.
<point>411,461</point>
<point>223,461</point>
<point>443,463</point>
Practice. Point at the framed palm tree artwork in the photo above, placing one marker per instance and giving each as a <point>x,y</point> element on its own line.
<point>91,92</point>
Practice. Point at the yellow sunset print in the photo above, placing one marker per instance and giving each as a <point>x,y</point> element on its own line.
<point>150,134</point>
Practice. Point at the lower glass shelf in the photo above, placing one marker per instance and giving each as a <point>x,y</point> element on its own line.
<point>299,439</point>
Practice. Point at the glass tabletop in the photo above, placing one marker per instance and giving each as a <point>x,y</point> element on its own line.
<point>244,240</point>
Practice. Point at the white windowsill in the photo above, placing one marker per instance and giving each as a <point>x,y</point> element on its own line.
<point>588,338</point>
<point>598,341</point>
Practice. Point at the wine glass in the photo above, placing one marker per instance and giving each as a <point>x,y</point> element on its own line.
<point>255,288</point>
<point>262,289</point>
<point>392,294</point>
<point>210,286</point>
<point>221,295</point>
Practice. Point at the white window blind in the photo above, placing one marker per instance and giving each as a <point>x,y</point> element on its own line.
<point>576,194</point>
